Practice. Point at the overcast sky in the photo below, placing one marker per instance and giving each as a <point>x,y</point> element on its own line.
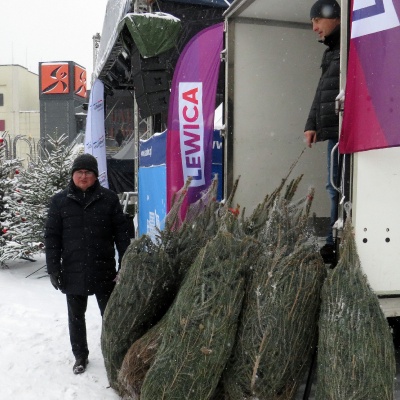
<point>33,31</point>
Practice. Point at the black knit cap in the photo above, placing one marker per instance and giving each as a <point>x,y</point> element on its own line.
<point>325,9</point>
<point>85,161</point>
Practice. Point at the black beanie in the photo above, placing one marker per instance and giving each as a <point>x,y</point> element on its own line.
<point>325,9</point>
<point>85,161</point>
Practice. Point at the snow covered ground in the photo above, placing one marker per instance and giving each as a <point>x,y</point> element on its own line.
<point>35,354</point>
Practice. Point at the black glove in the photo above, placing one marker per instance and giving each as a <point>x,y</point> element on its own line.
<point>55,279</point>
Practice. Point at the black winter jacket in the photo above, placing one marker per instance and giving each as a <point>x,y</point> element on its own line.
<point>80,233</point>
<point>322,117</point>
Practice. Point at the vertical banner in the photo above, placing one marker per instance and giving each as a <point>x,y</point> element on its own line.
<point>95,141</point>
<point>371,118</point>
<point>191,115</point>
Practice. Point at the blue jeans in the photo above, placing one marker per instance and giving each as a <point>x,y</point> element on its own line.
<point>332,193</point>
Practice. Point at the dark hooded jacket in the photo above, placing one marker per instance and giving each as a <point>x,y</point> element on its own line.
<point>80,233</point>
<point>322,117</point>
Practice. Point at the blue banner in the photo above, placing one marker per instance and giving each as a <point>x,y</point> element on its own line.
<point>152,151</point>
<point>152,185</point>
<point>217,162</point>
<point>152,200</point>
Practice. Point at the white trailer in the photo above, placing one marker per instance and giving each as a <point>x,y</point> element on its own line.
<point>272,70</point>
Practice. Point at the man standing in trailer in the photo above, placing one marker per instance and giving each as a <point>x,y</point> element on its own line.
<point>323,122</point>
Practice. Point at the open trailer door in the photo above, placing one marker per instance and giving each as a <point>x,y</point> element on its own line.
<point>272,68</point>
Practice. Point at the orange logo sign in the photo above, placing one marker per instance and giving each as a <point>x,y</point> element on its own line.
<point>80,81</point>
<point>55,78</point>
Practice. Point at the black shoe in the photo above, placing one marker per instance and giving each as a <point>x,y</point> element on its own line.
<point>328,253</point>
<point>80,365</point>
<point>394,323</point>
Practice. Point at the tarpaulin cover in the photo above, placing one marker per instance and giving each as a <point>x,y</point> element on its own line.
<point>153,33</point>
<point>121,175</point>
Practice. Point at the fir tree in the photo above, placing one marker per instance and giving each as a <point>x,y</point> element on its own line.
<point>8,181</point>
<point>36,185</point>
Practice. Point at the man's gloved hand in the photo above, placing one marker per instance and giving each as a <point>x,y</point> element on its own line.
<point>55,279</point>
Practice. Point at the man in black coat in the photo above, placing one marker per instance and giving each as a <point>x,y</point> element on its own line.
<point>85,222</point>
<point>323,122</point>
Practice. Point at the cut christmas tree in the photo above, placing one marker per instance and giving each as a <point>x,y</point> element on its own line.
<point>201,324</point>
<point>146,287</point>
<point>278,326</point>
<point>355,347</point>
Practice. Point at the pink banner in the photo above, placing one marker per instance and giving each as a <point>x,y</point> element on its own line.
<point>191,115</point>
<point>371,119</point>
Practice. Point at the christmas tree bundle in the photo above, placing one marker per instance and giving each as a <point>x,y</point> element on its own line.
<point>355,347</point>
<point>277,333</point>
<point>146,287</point>
<point>278,326</point>
<point>150,277</point>
<point>201,324</point>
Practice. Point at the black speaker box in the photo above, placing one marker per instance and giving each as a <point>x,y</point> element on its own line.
<point>149,64</point>
<point>153,103</point>
<point>150,82</point>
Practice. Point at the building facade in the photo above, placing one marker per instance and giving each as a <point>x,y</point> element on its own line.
<point>19,110</point>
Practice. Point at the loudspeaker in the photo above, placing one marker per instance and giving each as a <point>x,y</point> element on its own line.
<point>153,103</point>
<point>150,82</point>
<point>155,63</point>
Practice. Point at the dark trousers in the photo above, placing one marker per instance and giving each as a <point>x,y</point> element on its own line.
<point>77,306</point>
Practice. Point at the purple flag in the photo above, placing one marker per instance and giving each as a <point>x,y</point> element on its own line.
<point>191,115</point>
<point>371,119</point>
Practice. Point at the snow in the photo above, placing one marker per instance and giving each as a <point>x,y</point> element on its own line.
<point>156,14</point>
<point>35,354</point>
